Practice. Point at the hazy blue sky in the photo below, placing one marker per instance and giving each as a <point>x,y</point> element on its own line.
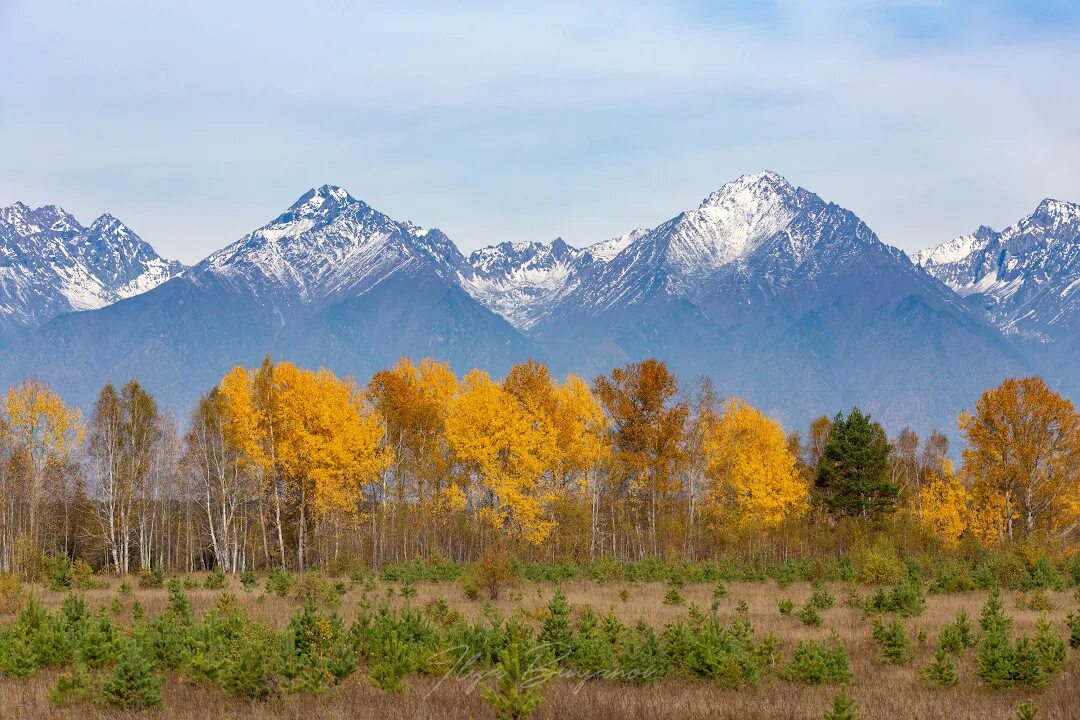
<point>197,122</point>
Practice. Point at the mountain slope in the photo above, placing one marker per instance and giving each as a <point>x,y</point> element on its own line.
<point>788,300</point>
<point>52,264</point>
<point>330,282</point>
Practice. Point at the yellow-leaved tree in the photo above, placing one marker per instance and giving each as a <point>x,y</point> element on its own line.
<point>507,452</point>
<point>754,480</point>
<point>944,504</point>
<point>1023,460</point>
<point>42,427</point>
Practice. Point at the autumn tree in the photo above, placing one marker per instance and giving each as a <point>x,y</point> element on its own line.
<point>853,472</point>
<point>419,494</point>
<point>754,477</point>
<point>1023,459</point>
<point>44,431</point>
<point>507,452</point>
<point>647,427</point>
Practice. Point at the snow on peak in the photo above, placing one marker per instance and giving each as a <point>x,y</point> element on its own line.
<point>50,264</point>
<point>328,242</point>
<point>607,249</point>
<point>957,249</point>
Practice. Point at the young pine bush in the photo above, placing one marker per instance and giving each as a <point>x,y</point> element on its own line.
<point>810,615</point>
<point>1027,711</point>
<point>895,644</point>
<point>279,581</point>
<point>215,580</point>
<point>556,631</point>
<point>818,664</point>
<point>957,636</point>
<point>134,682</point>
<point>941,672</point>
<point>72,686</point>
<point>842,708</point>
<point>248,579</point>
<point>821,598</point>
<point>1050,646</point>
<point>1073,620</point>
<point>674,597</point>
<point>518,689</point>
<point>393,666</point>
<point>905,599</point>
<point>786,605</point>
<point>153,579</point>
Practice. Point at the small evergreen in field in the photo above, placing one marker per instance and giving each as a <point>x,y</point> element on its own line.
<point>993,617</point>
<point>818,664</point>
<point>556,630</point>
<point>394,665</point>
<point>1050,646</point>
<point>1074,629</point>
<point>215,580</point>
<point>842,708</point>
<point>786,605</point>
<point>895,644</point>
<point>720,591</point>
<point>1028,669</point>
<point>957,636</point>
<point>248,579</point>
<point>1027,711</point>
<point>810,615</point>
<point>134,683</point>
<point>517,692</point>
<point>72,687</point>
<point>821,598</point>
<point>941,672</point>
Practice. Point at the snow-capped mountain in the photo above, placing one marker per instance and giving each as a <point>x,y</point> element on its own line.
<point>329,244</point>
<point>524,281</point>
<point>51,264</point>
<point>330,282</point>
<point>776,294</point>
<point>1026,278</point>
<point>786,299</point>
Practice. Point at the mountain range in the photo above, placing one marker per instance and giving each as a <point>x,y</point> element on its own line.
<point>772,292</point>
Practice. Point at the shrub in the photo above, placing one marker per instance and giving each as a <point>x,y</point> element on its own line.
<point>817,664</point>
<point>215,580</point>
<point>1073,620</point>
<point>493,571</point>
<point>941,672</point>
<point>1035,600</point>
<point>895,644</point>
<point>786,605</point>
<point>279,581</point>
<point>993,618</point>
<point>134,683</point>
<point>72,686</point>
<point>1027,711</point>
<point>1050,646</point>
<point>11,593</point>
<point>720,591</point>
<point>810,615</point>
<point>408,591</point>
<point>152,579</point>
<point>957,635</point>
<point>881,566</point>
<point>674,597</point>
<point>82,576</point>
<point>821,598</point>
<point>394,664</point>
<point>248,579</point>
<point>516,693</point>
<point>842,708</point>
<point>905,599</point>
<point>1028,668</point>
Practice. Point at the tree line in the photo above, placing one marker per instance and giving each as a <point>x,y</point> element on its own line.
<point>280,466</point>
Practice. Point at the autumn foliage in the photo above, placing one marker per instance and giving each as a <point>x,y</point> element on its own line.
<point>281,466</point>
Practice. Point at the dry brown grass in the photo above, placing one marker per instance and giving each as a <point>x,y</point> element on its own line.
<point>882,691</point>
